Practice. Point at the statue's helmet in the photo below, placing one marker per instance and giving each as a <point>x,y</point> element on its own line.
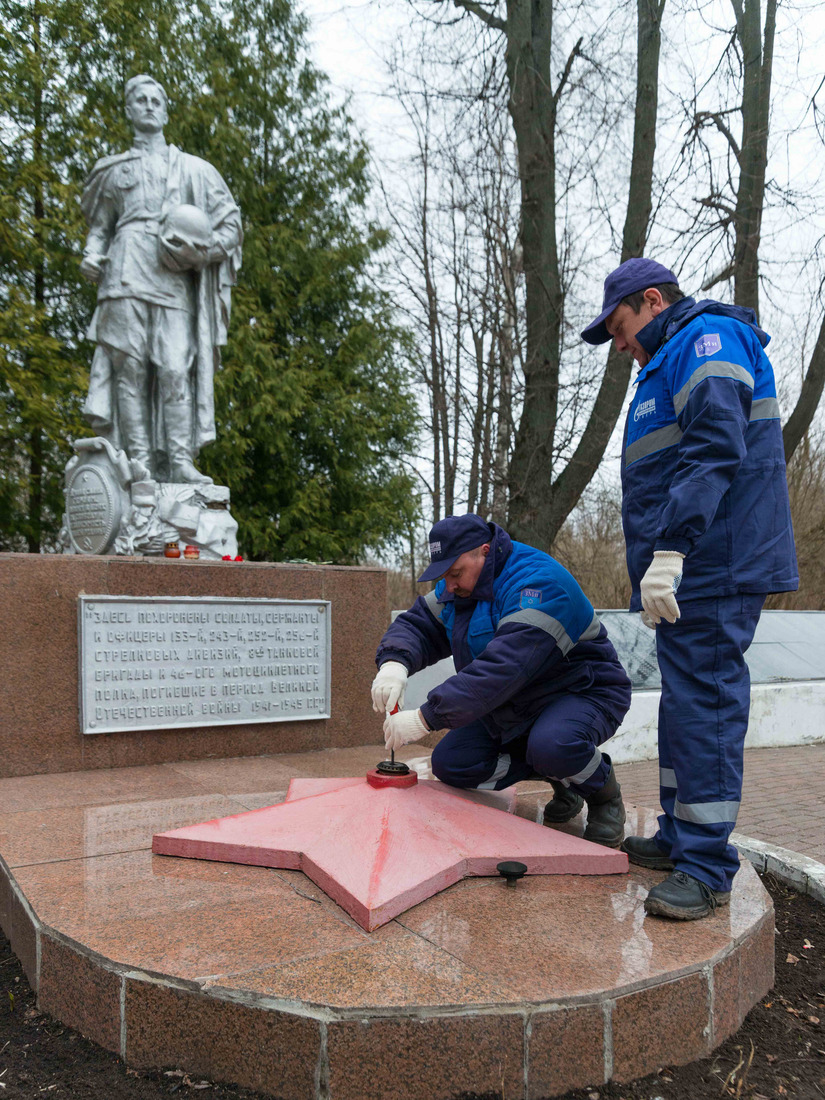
<point>185,238</point>
<point>187,224</point>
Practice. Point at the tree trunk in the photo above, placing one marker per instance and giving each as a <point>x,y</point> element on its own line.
<point>753,158</point>
<point>538,506</point>
<point>35,532</point>
<point>507,357</point>
<point>809,398</point>
<point>474,493</point>
<point>757,59</point>
<point>532,106</point>
<point>437,398</point>
<point>574,479</point>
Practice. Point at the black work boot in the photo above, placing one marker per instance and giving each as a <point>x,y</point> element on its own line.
<point>683,897</point>
<point>646,852</point>
<point>563,806</point>
<point>605,814</point>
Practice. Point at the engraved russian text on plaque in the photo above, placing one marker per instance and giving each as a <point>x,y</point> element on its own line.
<point>157,663</point>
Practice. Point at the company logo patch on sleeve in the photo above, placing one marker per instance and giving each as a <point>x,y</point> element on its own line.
<point>530,597</point>
<point>708,344</point>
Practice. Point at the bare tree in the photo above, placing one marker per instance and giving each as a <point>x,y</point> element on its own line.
<point>733,207</point>
<point>735,199</point>
<point>455,222</point>
<point>591,546</point>
<point>541,496</point>
<point>579,471</point>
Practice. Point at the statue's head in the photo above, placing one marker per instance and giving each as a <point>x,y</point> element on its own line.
<point>146,104</point>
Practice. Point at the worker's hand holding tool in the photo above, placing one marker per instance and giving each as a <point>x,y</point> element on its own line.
<point>659,584</point>
<point>403,727</point>
<point>388,687</point>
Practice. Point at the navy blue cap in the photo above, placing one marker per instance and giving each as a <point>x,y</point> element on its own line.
<point>633,275</point>
<point>452,537</point>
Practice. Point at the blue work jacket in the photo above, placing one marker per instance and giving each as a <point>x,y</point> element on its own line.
<point>703,465</point>
<point>526,634</point>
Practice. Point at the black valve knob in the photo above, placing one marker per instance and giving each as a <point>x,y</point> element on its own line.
<point>512,870</point>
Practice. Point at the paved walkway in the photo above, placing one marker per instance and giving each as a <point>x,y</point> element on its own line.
<point>783,800</point>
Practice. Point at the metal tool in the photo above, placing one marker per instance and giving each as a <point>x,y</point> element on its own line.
<point>391,766</point>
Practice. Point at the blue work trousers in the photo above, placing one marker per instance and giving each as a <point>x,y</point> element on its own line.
<point>703,719</point>
<point>562,744</point>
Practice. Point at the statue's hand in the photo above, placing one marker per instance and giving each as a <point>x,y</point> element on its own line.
<point>91,266</point>
<point>181,255</point>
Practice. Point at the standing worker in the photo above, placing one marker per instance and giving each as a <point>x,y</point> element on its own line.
<point>705,511</point>
<point>538,686</point>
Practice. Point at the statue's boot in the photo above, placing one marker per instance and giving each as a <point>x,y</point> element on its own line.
<point>178,418</point>
<point>134,430</point>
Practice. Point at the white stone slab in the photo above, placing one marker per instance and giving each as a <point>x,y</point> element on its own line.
<point>171,663</point>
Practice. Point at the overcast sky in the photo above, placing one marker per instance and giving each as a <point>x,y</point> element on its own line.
<point>351,39</point>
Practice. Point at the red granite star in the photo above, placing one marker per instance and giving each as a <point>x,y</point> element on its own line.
<point>377,850</point>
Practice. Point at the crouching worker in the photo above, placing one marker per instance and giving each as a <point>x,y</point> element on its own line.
<point>538,686</point>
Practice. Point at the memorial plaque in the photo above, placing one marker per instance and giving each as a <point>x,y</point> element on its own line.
<point>93,509</point>
<point>156,663</point>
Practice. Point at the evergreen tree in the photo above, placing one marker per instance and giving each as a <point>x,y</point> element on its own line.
<point>314,415</point>
<point>42,300</point>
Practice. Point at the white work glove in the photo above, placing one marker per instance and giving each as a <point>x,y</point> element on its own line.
<point>403,728</point>
<point>646,619</point>
<point>659,584</point>
<point>388,687</point>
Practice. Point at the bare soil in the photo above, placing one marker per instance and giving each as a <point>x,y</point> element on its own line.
<point>777,1054</point>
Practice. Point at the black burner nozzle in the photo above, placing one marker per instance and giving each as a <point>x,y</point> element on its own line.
<point>512,870</point>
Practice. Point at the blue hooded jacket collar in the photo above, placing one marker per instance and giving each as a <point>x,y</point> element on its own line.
<point>681,313</point>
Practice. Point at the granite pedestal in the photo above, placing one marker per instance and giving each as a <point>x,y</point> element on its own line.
<point>252,975</point>
<point>255,976</point>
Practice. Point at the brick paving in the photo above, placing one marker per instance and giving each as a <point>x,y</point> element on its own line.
<point>783,797</point>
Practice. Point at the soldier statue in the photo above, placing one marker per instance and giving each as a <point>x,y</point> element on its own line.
<point>164,247</point>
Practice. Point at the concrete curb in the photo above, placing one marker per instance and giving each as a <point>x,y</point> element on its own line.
<point>802,873</point>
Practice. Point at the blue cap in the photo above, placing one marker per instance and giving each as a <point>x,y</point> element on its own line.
<point>452,537</point>
<point>633,275</point>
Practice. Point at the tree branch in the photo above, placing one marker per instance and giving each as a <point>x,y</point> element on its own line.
<point>720,277</point>
<point>717,204</point>
<point>485,16</point>
<point>716,118</point>
<point>812,386</point>
<point>574,53</point>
